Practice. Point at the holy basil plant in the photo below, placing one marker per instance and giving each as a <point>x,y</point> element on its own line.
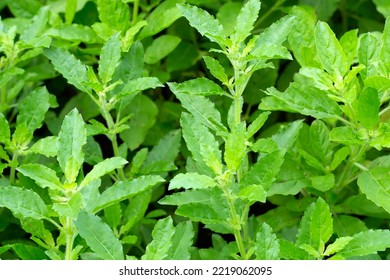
<point>184,130</point>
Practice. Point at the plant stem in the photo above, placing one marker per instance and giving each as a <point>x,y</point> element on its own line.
<point>69,228</point>
<point>13,165</point>
<point>135,12</point>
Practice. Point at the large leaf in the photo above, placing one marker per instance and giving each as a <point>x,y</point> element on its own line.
<point>366,243</point>
<point>23,202</point>
<point>302,99</point>
<point>267,244</point>
<point>199,86</point>
<point>125,189</point>
<point>69,66</point>
<point>245,20</point>
<point>316,226</point>
<point>181,242</point>
<point>71,139</point>
<point>368,108</point>
<point>114,14</point>
<point>205,23</point>
<point>99,237</point>
<point>374,183</point>
<point>42,175</point>
<point>109,58</point>
<point>162,235</point>
<point>329,50</point>
<point>191,181</point>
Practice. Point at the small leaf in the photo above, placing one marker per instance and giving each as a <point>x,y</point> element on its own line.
<point>181,242</point>
<point>110,55</point>
<point>345,135</point>
<point>45,146</point>
<point>103,168</point>
<point>191,181</point>
<point>125,189</point>
<point>323,183</point>
<point>71,139</point>
<point>366,243</point>
<point>235,147</point>
<point>255,126</point>
<point>99,237</point>
<point>205,23</point>
<point>385,50</point>
<point>329,50</point>
<point>70,208</point>
<point>368,51</point>
<point>23,202</point>
<point>42,175</point>
<point>115,14</point>
<point>349,42</point>
<point>5,134</point>
<point>162,235</point>
<point>253,193</point>
<point>338,245</point>
<point>245,20</point>
<point>374,183</point>
<point>216,69</point>
<point>316,226</point>
<point>267,244</point>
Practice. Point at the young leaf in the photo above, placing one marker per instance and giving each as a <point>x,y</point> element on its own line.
<point>316,226</point>
<point>368,108</point>
<point>70,67</point>
<point>245,20</point>
<point>103,168</point>
<point>368,51</point>
<point>302,99</point>
<point>114,14</point>
<point>267,244</point>
<point>329,50</point>
<point>205,23</point>
<point>109,58</point>
<point>70,208</point>
<point>162,235</point>
<point>385,50</point>
<point>191,181</point>
<point>31,114</point>
<point>338,245</point>
<point>181,242</point>
<point>349,43</point>
<point>125,189</point>
<point>45,146</point>
<point>99,237</point>
<point>216,69</point>
<point>42,175</point>
<point>366,243</point>
<point>374,184</point>
<point>255,126</point>
<point>23,202</point>
<point>289,251</point>
<point>71,140</point>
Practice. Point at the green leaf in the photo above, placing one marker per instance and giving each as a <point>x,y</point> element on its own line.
<point>45,146</point>
<point>366,243</point>
<point>205,23</point>
<point>255,126</point>
<point>110,55</point>
<point>137,85</point>
<point>71,139</point>
<point>37,26</point>
<point>160,48</point>
<point>346,226</point>
<point>23,202</point>
<point>289,251</point>
<point>5,133</point>
<point>329,51</point>
<point>115,14</point>
<point>345,135</point>
<point>74,33</point>
<point>338,245</point>
<point>349,43</point>
<point>374,183</point>
<point>385,50</point>
<point>199,86</point>
<point>264,171</point>
<point>368,108</point>
<point>267,244</point>
<point>70,67</point>
<point>28,252</point>
<point>245,20</point>
<point>160,18</point>
<point>191,181</point>
<point>70,208</point>
<point>235,147</point>
<point>216,69</point>
<point>70,10</point>
<point>42,175</point>
<point>253,193</point>
<point>302,99</point>
<point>102,168</point>
<point>125,189</point>
<point>316,226</point>
<point>206,149</point>
<point>99,237</point>
<point>181,242</point>
<point>383,6</point>
<point>368,51</point>
<point>31,114</point>
<point>323,183</point>
<point>324,8</point>
<point>275,34</point>
<point>162,235</point>
<point>202,108</point>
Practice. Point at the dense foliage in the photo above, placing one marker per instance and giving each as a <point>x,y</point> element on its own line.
<point>199,129</point>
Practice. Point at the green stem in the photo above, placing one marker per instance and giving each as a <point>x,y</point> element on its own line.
<point>14,163</point>
<point>135,12</point>
<point>70,233</point>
